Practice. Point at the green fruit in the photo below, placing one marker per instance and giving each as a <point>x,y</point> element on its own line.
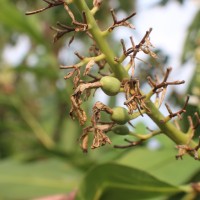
<point>121,130</point>
<point>110,85</point>
<point>120,115</point>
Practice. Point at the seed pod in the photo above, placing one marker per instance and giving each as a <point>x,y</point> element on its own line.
<point>120,130</point>
<point>120,115</point>
<point>110,85</point>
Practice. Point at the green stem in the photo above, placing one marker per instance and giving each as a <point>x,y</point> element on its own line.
<point>101,42</point>
<point>168,128</point>
<point>145,136</point>
<point>88,59</point>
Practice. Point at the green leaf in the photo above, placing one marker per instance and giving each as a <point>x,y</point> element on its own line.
<point>140,128</point>
<point>30,180</point>
<point>16,20</point>
<point>194,181</point>
<point>113,181</point>
<point>162,164</point>
<point>191,39</point>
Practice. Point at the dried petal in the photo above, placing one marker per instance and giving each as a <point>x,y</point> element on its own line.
<point>88,67</point>
<point>70,74</point>
<point>77,111</point>
<point>84,143</point>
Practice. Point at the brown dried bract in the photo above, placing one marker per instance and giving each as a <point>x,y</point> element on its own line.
<point>183,149</point>
<point>75,72</point>
<point>144,45</point>
<point>99,136</point>
<point>123,22</point>
<point>64,29</point>
<point>97,3</point>
<point>97,128</point>
<point>76,110</point>
<point>147,46</point>
<point>134,97</point>
<point>88,67</point>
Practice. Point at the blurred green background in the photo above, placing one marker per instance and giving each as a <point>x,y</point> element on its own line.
<point>39,150</point>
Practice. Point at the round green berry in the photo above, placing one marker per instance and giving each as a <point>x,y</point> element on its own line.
<point>110,85</point>
<point>120,115</point>
<point>120,130</point>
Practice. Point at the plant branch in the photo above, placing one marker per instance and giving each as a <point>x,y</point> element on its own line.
<point>169,129</point>
<point>101,42</point>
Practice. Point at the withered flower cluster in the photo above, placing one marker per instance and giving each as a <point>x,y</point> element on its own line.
<point>136,102</point>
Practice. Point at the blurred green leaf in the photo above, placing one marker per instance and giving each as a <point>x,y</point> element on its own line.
<point>195,179</point>
<point>162,164</point>
<point>127,5</point>
<point>194,88</point>
<point>14,19</point>
<point>140,128</point>
<point>191,39</point>
<point>113,181</point>
<point>26,181</point>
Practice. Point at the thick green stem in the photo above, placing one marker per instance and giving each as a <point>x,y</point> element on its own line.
<point>168,128</point>
<point>101,42</point>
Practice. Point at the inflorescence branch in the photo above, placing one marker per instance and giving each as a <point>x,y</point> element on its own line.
<point>114,80</point>
<point>142,138</point>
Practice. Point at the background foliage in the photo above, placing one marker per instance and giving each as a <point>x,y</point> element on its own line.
<point>39,152</point>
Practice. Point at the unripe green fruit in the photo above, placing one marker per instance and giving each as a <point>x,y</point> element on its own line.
<point>120,115</point>
<point>110,85</point>
<point>120,130</point>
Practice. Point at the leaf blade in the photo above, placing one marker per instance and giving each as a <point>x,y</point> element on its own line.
<point>114,181</point>
<point>31,180</point>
